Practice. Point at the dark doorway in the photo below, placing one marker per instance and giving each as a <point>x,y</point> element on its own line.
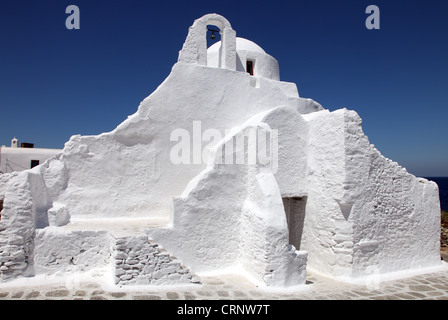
<point>34,163</point>
<point>250,67</point>
<point>295,217</point>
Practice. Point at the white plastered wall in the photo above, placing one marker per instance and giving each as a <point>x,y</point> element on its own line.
<point>128,172</point>
<point>232,214</point>
<point>365,214</point>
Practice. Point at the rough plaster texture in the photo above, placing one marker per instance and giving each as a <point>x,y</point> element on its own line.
<point>58,250</point>
<point>24,210</point>
<point>360,212</point>
<point>365,214</point>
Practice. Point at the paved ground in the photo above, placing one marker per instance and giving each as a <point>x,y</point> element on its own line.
<point>432,285</point>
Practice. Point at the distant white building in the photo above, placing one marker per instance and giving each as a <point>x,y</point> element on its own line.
<point>25,157</point>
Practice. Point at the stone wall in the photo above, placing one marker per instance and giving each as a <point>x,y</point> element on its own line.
<point>30,245</point>
<point>56,249</point>
<point>17,227</point>
<point>141,261</point>
<point>136,260</point>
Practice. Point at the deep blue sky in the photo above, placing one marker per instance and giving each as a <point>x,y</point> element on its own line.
<point>55,82</point>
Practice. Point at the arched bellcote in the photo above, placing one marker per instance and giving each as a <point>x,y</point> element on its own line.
<point>194,49</point>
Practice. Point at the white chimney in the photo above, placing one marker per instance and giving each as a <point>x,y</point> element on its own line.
<point>14,143</point>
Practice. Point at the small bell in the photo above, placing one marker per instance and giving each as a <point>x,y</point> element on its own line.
<point>213,37</point>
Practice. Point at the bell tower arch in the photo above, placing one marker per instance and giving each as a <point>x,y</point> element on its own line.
<point>194,49</point>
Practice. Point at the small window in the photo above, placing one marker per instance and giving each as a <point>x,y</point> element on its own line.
<point>34,163</point>
<point>27,145</point>
<point>250,67</point>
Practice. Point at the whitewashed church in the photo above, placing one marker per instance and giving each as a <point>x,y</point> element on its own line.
<point>315,194</point>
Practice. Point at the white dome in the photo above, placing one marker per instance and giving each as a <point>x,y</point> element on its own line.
<point>244,44</point>
<point>261,64</point>
<point>241,45</point>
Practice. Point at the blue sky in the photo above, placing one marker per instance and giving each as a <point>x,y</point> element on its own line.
<point>56,82</point>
